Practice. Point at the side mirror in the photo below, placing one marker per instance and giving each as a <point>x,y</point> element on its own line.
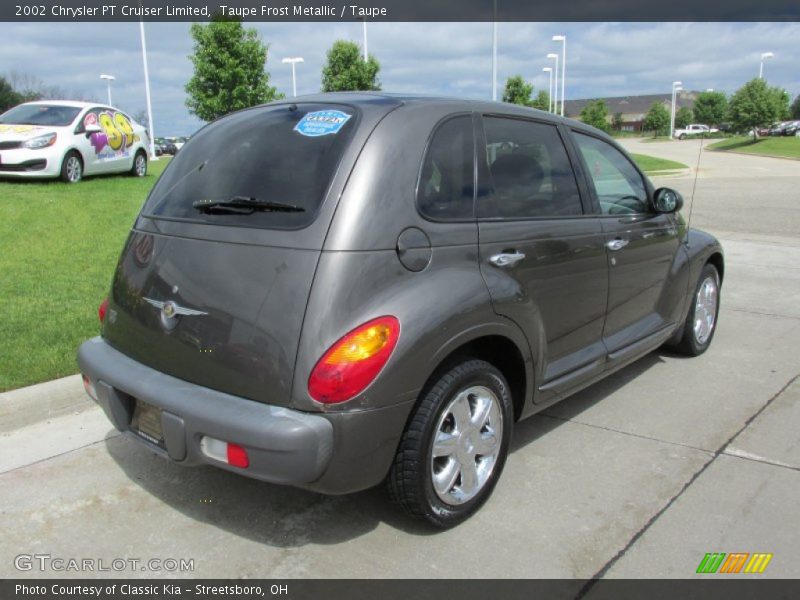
<point>666,200</point>
<point>93,128</point>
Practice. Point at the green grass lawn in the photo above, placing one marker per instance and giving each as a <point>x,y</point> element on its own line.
<point>782,147</point>
<point>59,244</point>
<point>650,164</point>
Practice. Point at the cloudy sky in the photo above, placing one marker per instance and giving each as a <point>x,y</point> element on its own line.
<point>603,59</point>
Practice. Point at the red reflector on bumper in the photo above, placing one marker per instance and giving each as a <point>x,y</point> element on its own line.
<point>237,456</point>
<point>89,387</point>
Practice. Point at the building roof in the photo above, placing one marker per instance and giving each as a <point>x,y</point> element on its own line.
<point>631,105</point>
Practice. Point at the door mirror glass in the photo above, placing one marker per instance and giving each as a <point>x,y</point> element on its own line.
<point>666,200</point>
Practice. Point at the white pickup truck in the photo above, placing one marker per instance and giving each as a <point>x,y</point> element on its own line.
<point>694,129</point>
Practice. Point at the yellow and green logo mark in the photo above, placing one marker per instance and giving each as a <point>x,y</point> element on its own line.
<point>719,562</point>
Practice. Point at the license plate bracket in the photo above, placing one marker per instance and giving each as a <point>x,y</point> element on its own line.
<point>146,423</point>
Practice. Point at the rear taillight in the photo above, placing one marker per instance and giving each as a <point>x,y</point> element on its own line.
<point>352,363</point>
<point>101,310</point>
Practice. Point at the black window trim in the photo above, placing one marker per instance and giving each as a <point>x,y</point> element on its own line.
<point>648,186</point>
<point>440,123</point>
<point>586,206</point>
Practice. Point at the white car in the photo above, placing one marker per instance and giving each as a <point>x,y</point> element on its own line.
<point>69,140</point>
<point>693,129</point>
<point>178,141</point>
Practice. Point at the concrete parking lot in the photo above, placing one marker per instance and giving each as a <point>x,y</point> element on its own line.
<point>638,476</point>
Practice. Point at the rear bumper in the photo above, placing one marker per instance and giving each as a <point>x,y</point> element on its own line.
<point>284,446</point>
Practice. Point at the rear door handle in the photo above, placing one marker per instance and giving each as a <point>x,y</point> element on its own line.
<point>617,244</point>
<point>506,259</point>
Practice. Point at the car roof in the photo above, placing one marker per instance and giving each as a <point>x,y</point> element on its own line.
<point>389,101</point>
<point>72,103</point>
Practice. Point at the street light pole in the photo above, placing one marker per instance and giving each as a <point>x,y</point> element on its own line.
<point>676,85</point>
<point>554,56</point>
<point>108,79</point>
<point>764,57</point>
<point>562,38</point>
<point>293,60</point>
<point>151,126</point>
<point>550,93</point>
<point>494,51</point>
<point>365,44</point>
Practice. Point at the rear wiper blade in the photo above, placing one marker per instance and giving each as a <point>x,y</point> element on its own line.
<point>244,205</point>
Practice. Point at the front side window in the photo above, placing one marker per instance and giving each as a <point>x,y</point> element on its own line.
<point>619,186</point>
<point>530,172</point>
<point>447,179</point>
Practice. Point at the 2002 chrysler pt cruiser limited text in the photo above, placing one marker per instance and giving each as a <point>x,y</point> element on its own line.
<point>356,288</point>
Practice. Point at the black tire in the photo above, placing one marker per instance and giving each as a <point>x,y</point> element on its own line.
<point>71,167</point>
<point>687,341</point>
<point>410,480</point>
<point>682,136</point>
<point>139,168</point>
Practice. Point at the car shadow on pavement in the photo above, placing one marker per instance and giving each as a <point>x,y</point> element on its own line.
<point>538,425</point>
<point>286,517</point>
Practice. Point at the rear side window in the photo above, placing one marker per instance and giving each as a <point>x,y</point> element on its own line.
<point>447,181</point>
<point>284,154</point>
<point>530,172</point>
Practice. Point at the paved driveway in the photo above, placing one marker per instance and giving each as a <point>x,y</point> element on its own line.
<point>638,476</point>
<point>734,192</point>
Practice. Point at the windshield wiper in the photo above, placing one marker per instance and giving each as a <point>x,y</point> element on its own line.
<point>243,205</point>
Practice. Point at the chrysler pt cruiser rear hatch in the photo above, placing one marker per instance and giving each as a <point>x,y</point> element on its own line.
<point>213,282</point>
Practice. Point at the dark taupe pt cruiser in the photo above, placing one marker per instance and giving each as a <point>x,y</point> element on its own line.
<point>349,289</point>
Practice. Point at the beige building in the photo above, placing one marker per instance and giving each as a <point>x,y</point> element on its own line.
<point>632,108</point>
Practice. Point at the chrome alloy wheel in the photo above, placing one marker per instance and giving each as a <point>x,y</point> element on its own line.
<point>74,169</point>
<point>705,309</point>
<point>140,165</point>
<point>467,442</point>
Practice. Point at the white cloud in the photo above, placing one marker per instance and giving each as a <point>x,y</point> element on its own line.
<point>603,59</point>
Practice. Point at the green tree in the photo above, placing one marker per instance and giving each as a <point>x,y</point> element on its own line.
<point>794,111</point>
<point>684,116</point>
<point>229,70</point>
<point>518,91</point>
<point>542,101</point>
<point>711,108</point>
<point>780,100</point>
<point>346,69</point>
<point>753,106</point>
<point>656,119</point>
<point>595,113</point>
<point>8,97</point>
<point>617,121</point>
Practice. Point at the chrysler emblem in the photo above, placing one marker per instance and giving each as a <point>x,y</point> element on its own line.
<point>170,311</point>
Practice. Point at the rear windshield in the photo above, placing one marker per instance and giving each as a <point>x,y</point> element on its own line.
<point>40,114</point>
<point>283,154</point>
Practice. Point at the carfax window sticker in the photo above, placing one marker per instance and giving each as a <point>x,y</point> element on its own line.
<point>321,122</point>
